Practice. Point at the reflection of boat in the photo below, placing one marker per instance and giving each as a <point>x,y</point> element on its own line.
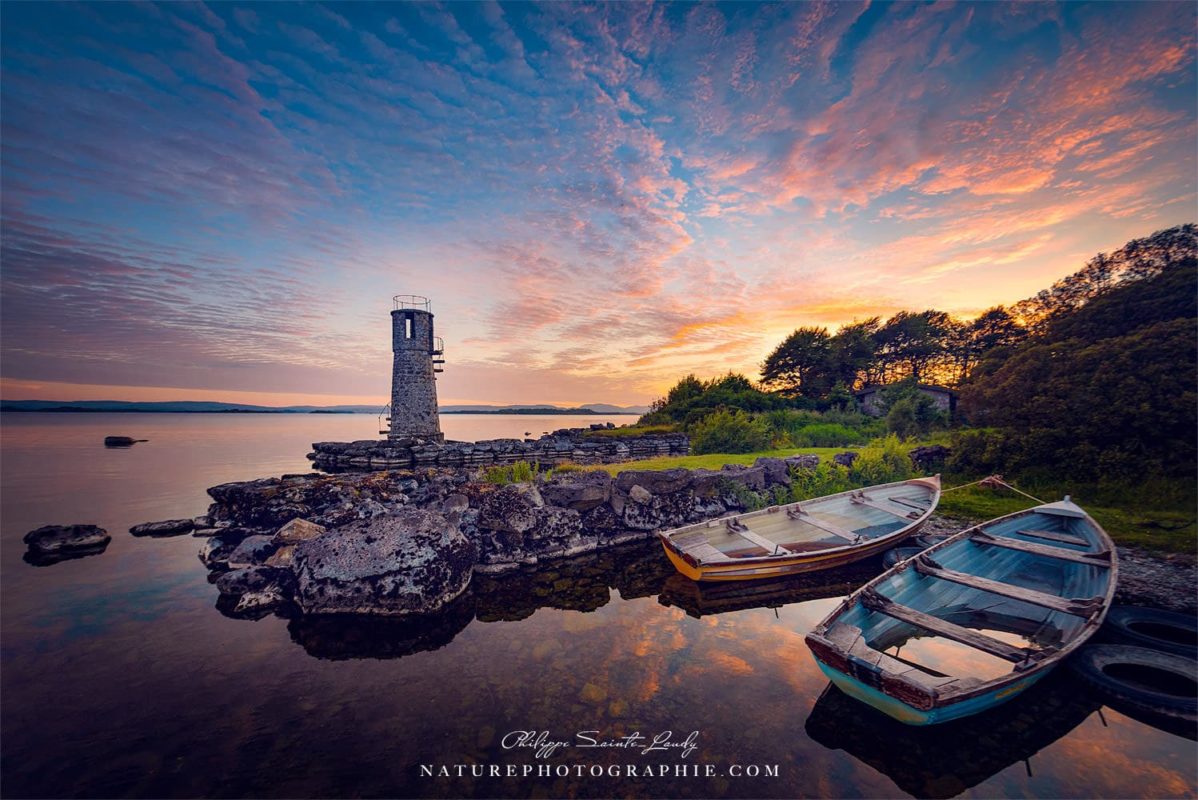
<point>800,537</point>
<point>982,616</point>
<point>703,599</point>
<point>945,760</point>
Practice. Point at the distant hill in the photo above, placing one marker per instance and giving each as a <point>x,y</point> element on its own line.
<point>205,407</point>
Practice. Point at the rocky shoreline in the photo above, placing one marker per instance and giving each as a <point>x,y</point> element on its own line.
<point>408,543</point>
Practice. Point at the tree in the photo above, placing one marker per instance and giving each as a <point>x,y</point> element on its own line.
<point>912,344</point>
<point>800,363</point>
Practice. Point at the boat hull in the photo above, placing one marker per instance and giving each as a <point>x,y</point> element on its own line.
<point>897,709</point>
<point>788,565</point>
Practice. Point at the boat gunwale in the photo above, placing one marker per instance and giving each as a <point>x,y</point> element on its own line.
<point>896,535</point>
<point>940,697</point>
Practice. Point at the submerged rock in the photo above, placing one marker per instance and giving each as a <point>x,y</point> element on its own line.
<point>121,441</point>
<point>167,527</point>
<point>411,562</point>
<point>55,542</point>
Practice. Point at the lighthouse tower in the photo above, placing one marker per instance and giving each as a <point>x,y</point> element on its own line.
<point>413,380</point>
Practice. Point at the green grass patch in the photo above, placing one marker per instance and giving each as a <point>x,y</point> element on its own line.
<point>1170,530</point>
<point>718,460</point>
<point>630,431</point>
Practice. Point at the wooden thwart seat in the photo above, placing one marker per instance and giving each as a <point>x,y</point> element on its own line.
<point>802,516</point>
<point>949,630</point>
<point>1086,607</point>
<point>738,528</point>
<point>1053,536</point>
<point>1100,559</point>
<point>886,506</point>
<point>902,501</point>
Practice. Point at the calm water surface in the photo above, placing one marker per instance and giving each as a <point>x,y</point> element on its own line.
<point>121,678</point>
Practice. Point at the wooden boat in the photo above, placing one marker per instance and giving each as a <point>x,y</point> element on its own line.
<point>982,616</point>
<point>800,537</point>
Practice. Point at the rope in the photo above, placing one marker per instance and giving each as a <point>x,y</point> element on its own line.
<point>993,480</point>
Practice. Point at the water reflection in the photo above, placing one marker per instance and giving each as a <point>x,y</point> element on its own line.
<point>941,761</point>
<point>582,584</point>
<point>702,599</point>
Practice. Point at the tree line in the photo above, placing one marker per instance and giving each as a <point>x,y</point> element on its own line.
<point>933,347</point>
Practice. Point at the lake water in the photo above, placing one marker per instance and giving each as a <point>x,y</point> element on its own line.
<point>122,679</point>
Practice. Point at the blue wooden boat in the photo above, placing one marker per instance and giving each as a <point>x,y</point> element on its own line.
<point>973,621</point>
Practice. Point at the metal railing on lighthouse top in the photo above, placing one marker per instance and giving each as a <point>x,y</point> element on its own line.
<point>413,301</point>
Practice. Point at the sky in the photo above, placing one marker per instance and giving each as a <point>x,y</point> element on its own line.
<point>217,201</point>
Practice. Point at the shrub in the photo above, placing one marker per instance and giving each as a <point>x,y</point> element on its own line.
<point>825,479</point>
<point>727,431</point>
<point>519,472</point>
<point>748,499</point>
<point>884,461</point>
<point>826,434</point>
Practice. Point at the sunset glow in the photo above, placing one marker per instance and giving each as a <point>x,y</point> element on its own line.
<point>216,202</point>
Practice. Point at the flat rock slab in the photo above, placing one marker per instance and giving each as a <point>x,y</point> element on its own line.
<point>414,561</point>
<point>167,527</point>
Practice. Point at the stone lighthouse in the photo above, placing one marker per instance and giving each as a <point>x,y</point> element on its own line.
<point>413,379</point>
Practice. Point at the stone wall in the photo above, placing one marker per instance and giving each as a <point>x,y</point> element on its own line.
<point>574,445</point>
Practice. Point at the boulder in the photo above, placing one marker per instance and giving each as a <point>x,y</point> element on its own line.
<point>706,482</point>
<point>52,540</point>
<point>802,461</point>
<point>298,530</point>
<point>777,472</point>
<point>639,494</point>
<point>248,579</point>
<point>749,477</point>
<point>283,557</point>
<point>929,457</point>
<point>252,551</point>
<point>663,481</point>
<point>512,508</point>
<point>845,459</point>
<point>410,562</point>
<point>580,491</point>
<point>214,554</point>
<point>167,527</point>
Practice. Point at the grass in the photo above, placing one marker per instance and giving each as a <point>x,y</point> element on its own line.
<point>1166,526</point>
<point>1170,530</point>
<point>717,460</point>
<point>629,430</point>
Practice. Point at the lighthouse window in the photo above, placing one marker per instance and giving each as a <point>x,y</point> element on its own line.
<point>407,328</point>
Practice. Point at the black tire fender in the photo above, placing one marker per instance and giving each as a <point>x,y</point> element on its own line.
<point>1149,680</point>
<point>1167,631</point>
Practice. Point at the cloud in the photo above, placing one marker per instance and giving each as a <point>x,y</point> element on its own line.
<point>598,197</point>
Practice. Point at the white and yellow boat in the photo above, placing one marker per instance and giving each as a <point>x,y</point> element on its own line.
<point>800,537</point>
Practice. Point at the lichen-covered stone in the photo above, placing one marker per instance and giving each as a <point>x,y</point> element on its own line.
<point>167,527</point>
<point>512,508</point>
<point>56,539</point>
<point>298,530</point>
<point>410,562</point>
<point>802,461</point>
<point>662,481</point>
<point>252,551</point>
<point>580,491</point>
<point>777,473</point>
<point>750,477</point>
